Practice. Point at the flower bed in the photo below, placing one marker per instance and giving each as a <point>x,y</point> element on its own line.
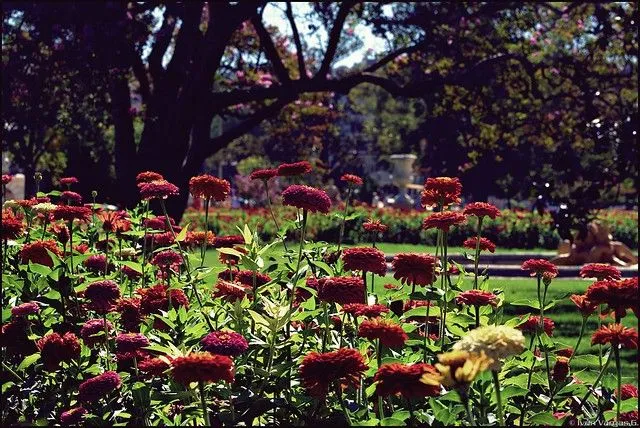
<point>113,318</point>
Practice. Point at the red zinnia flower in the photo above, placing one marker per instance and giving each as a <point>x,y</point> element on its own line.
<point>341,290</point>
<point>130,316</point>
<point>560,369</point>
<point>365,259</point>
<point>15,337</point>
<point>36,252</point>
<point>70,213</point>
<point>68,181</point>
<point>566,352</point>
<point>585,306</point>
<point>92,390</point>
<point>616,334</point>
<point>292,169</point>
<point>631,416</point>
<point>485,244</point>
<point>307,198</point>
<point>390,334</point>
<point>166,259</point>
<point>162,239</point>
<point>71,198</point>
<point>618,295</point>
<point>263,174</point>
<point>131,342</point>
<point>539,267</point>
<point>230,291</point>
<point>628,391</point>
<point>130,273</point>
<point>155,299</point>
<point>404,379</point>
<point>209,187</point>
<point>532,325</point>
<point>61,231</point>
<point>412,268</point>
<point>73,416</point>
<point>481,209</point>
<point>443,220</point>
<point>54,349</point>
<point>202,367</point>
<point>477,298</point>
<point>441,191</point>
<point>158,189</point>
<point>227,343</point>
<point>227,241</point>
<point>361,309</point>
<point>153,366</point>
<point>245,277</point>
<point>600,271</point>
<point>352,179</point>
<point>103,296</point>
<point>374,226</point>
<point>6,178</point>
<point>11,227</point>
<point>196,239</point>
<point>159,223</point>
<point>96,262</point>
<point>148,176</point>
<point>93,331</point>
<point>113,221</point>
<point>318,371</point>
<point>25,309</point>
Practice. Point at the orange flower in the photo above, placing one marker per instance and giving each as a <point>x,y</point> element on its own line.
<point>616,334</point>
<point>443,220</point>
<point>202,367</point>
<point>585,306</point>
<point>404,379</point>
<point>441,191</point>
<point>412,268</point>
<point>390,334</point>
<point>318,371</point>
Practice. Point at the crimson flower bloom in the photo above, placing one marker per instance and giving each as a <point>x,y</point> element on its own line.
<point>131,342</point>
<point>155,299</point>
<point>600,271</point>
<point>631,416</point>
<point>477,298</point>
<point>532,325</point>
<point>73,417</point>
<point>616,334</point>
<point>227,241</point>
<point>390,334</point>
<point>230,291</point>
<point>365,259</point>
<point>584,305</point>
<point>560,369</point>
<point>481,209</point>
<point>361,309</point>
<point>412,268</point>
<point>130,316</point>
<point>158,189</point>
<point>485,244</point>
<point>306,198</point>
<point>70,198</point>
<point>628,391</point>
<point>209,187</point>
<point>6,179</point>
<point>70,213</point>
<point>153,366</point>
<point>196,239</point>
<point>166,259</point>
<point>148,176</point>
<point>566,352</point>
<point>293,169</point>
<point>374,226</point>
<point>341,290</point>
<point>263,174</point>
<point>159,223</point>
<point>130,273</point>
<point>539,267</point>
<point>443,220</point>
<point>617,295</point>
<point>11,227</point>
<point>103,296</point>
<point>92,331</point>
<point>113,221</point>
<point>25,309</point>
<point>68,181</point>
<point>92,390</point>
<point>352,179</point>
<point>202,367</point>
<point>318,371</point>
<point>36,252</point>
<point>61,231</point>
<point>404,379</point>
<point>227,343</point>
<point>54,349</point>
<point>441,191</point>
<point>245,277</point>
<point>96,262</point>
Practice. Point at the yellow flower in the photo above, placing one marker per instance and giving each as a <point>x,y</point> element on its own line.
<point>44,207</point>
<point>497,342</point>
<point>460,368</point>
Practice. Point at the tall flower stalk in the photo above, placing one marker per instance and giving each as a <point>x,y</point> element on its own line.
<point>344,218</point>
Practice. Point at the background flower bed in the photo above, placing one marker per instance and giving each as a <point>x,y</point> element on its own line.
<point>514,229</point>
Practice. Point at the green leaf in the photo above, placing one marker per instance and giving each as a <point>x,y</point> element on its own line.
<point>514,391</point>
<point>588,361</point>
<point>545,418</point>
<point>421,312</point>
<point>526,302</point>
<point>39,269</point>
<point>183,233</point>
<point>391,422</point>
<point>28,361</point>
<point>230,251</point>
<point>133,265</point>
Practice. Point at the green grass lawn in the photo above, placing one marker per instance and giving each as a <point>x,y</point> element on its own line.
<point>390,248</point>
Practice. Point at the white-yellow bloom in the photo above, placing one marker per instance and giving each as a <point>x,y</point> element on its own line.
<point>497,342</point>
<point>44,207</point>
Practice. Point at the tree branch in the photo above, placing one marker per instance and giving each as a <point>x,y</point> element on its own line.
<point>162,41</point>
<point>140,72</point>
<point>391,56</point>
<point>296,38</point>
<point>334,37</point>
<point>270,50</point>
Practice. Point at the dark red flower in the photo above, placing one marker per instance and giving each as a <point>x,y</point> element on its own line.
<point>114,222</point>
<point>365,259</point>
<point>70,198</point>
<point>443,220</point>
<point>390,334</point>
<point>374,226</point>
<point>155,299</point>
<point>477,298</point>
<point>130,273</point>
<point>131,342</point>
<point>61,231</point>
<point>158,189</point>
<point>341,290</point>
<point>93,332</point>
<point>15,337</point>
<point>404,379</point>
<point>263,174</point>
<point>166,259</point>
<point>161,239</point>
<point>148,176</point>
<point>25,309</point>
<point>228,241</point>
<point>245,277</point>
<point>231,259</point>
<point>227,343</point>
<point>196,239</point>
<point>352,179</point>
<point>153,366</point>
<point>11,227</point>
<point>70,213</point>
<point>103,296</point>
<point>617,295</point>
<point>585,306</point>
<point>485,244</point>
<point>441,191</point>
<point>307,198</point>
<point>532,325</point>
<point>600,271</point>
<point>36,252</point>
<point>566,352</point>
<point>202,367</point>
<point>130,316</point>
<point>560,369</point>
<point>631,416</point>
<point>319,371</point>
<point>292,169</point>
<point>68,181</point>
<point>159,223</point>
<point>412,268</point>
<point>92,390</point>
<point>55,349</point>
<point>628,391</point>
<point>361,309</point>
<point>209,187</point>
<point>539,267</point>
<point>6,179</point>
<point>96,263</point>
<point>73,416</point>
<point>616,334</point>
<point>481,209</point>
<point>230,291</point>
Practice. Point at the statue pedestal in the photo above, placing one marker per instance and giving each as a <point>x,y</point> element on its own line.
<point>402,177</point>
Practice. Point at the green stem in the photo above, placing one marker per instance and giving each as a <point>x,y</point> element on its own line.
<point>173,233</point>
<point>344,218</point>
<point>599,345</point>
<point>12,373</point>
<point>426,331</point>
<point>616,353</point>
<point>597,381</point>
<point>295,275</point>
<point>144,245</point>
<point>477,258</point>
<point>465,400</point>
<point>342,406</point>
<point>477,309</point>
<point>203,248</point>
<point>106,255</point>
<point>582,328</point>
<point>203,404</point>
<point>106,339</point>
<point>533,364</point>
<point>326,326</point>
<point>445,275</point>
<point>380,400</point>
<point>496,382</point>
<point>71,245</point>
<point>273,216</point>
